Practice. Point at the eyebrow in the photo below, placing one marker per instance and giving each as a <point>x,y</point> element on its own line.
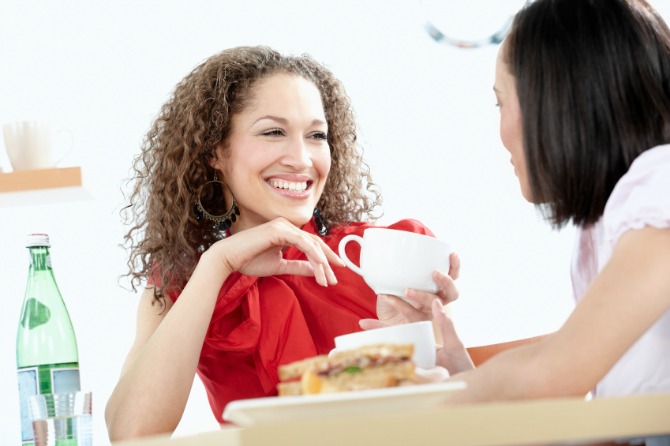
<point>285,121</point>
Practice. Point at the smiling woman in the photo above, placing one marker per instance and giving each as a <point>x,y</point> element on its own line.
<point>248,179</point>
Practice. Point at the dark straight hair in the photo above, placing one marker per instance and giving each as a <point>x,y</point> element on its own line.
<point>593,80</point>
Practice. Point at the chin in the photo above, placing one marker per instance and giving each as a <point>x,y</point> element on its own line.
<point>528,196</point>
<point>298,219</point>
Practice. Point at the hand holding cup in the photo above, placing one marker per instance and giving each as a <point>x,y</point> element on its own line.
<point>392,260</point>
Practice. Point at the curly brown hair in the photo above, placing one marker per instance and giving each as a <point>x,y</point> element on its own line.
<point>165,239</point>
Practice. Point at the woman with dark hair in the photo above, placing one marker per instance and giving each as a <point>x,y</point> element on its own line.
<point>247,181</point>
<point>583,88</point>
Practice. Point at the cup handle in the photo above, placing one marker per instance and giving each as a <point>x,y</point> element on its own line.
<point>69,149</point>
<point>343,254</point>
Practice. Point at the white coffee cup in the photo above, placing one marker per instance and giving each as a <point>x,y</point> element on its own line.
<point>418,333</point>
<point>30,145</point>
<point>393,260</point>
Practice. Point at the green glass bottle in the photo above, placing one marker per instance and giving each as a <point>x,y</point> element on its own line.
<point>46,347</point>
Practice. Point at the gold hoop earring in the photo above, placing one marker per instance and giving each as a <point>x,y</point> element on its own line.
<point>224,221</point>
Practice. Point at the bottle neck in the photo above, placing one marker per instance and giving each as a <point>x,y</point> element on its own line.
<point>39,258</point>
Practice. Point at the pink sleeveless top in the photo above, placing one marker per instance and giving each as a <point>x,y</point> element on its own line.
<point>641,198</point>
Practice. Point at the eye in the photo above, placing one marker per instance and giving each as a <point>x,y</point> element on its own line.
<point>319,135</point>
<point>273,132</point>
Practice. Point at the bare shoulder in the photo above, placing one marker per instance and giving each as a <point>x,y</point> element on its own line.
<point>149,304</point>
<point>150,313</point>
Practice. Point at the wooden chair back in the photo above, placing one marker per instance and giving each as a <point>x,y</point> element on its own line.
<point>482,353</point>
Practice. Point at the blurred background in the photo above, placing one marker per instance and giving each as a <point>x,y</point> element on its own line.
<point>429,129</point>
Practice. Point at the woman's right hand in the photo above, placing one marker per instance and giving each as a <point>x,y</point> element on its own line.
<point>258,252</point>
<point>391,310</point>
<point>452,354</point>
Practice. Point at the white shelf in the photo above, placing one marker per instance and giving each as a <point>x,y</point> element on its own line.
<point>44,196</point>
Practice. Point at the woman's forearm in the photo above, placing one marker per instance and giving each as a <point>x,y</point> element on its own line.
<point>152,393</point>
<point>526,372</point>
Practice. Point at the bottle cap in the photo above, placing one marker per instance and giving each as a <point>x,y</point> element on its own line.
<point>37,240</point>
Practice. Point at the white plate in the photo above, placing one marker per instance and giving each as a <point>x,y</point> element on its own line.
<point>257,411</point>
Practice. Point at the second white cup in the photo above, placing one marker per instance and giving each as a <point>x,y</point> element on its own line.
<point>420,334</point>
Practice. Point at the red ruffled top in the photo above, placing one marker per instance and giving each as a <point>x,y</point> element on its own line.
<point>262,322</point>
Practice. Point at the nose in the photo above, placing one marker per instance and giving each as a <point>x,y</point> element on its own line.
<point>297,154</point>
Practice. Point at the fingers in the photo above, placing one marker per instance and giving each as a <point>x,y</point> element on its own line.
<point>316,267</point>
<point>397,310</point>
<point>330,254</point>
<point>259,252</point>
<point>454,265</point>
<point>446,286</point>
<point>325,269</point>
<point>423,298</point>
<point>444,324</point>
<point>319,255</point>
<point>452,355</point>
<point>371,324</point>
<point>447,291</point>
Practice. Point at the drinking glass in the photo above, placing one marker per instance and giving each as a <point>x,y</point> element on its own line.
<point>62,419</point>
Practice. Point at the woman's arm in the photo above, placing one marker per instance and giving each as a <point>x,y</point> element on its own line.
<point>630,294</point>
<point>151,394</point>
<point>157,376</point>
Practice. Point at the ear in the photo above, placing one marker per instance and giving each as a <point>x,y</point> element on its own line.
<point>215,160</point>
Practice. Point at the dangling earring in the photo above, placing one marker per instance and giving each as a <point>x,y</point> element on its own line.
<point>320,223</point>
<point>224,221</point>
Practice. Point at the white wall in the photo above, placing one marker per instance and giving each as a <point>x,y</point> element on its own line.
<point>428,122</point>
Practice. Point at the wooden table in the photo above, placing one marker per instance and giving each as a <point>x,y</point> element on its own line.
<point>538,422</point>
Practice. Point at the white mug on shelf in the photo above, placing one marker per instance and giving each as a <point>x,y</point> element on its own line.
<point>30,145</point>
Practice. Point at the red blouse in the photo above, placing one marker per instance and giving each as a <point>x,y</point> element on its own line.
<point>262,322</point>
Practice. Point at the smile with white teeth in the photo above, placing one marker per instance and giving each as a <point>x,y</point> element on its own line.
<point>289,185</point>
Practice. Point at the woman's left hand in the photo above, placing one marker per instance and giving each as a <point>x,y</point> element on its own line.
<point>392,310</point>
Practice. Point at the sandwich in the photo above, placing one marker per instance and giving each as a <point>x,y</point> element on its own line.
<point>368,367</point>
